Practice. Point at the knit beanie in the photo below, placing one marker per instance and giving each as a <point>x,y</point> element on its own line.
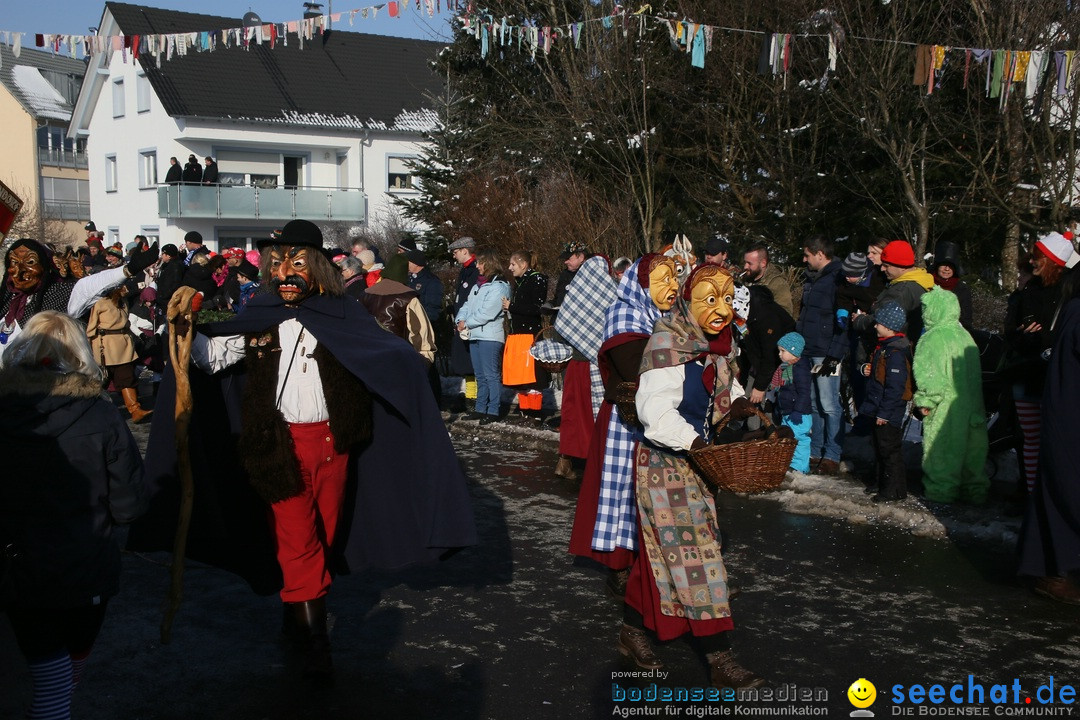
<point>1055,247</point>
<point>892,316</point>
<point>898,253</point>
<point>793,342</point>
<point>854,265</point>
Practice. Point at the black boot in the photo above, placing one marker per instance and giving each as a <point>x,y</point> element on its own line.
<point>311,614</point>
<point>293,630</point>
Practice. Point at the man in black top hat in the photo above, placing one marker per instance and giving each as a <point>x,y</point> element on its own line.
<point>330,416</point>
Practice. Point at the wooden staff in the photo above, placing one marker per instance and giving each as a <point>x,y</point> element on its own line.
<point>181,317</point>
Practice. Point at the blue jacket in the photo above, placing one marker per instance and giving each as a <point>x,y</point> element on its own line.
<point>885,397</point>
<point>794,397</point>
<point>817,317</point>
<point>483,310</point>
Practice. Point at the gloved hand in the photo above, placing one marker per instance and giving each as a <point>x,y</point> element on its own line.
<point>828,366</point>
<point>842,319</point>
<point>142,260</point>
<point>741,408</point>
<point>796,417</point>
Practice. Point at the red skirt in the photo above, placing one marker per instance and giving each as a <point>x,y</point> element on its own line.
<point>588,501</point>
<point>576,428</point>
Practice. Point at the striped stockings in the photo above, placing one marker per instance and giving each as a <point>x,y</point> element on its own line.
<point>53,685</point>
<point>1028,416</point>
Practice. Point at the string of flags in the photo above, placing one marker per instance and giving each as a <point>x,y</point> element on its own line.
<point>1006,71</point>
<point>165,46</point>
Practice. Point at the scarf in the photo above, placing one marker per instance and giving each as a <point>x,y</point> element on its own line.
<point>948,284</point>
<point>18,303</point>
<point>783,375</point>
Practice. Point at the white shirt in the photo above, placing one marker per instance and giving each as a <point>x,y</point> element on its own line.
<point>299,388</point>
<point>659,393</point>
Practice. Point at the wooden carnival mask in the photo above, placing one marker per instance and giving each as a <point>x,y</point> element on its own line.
<point>663,283</point>
<point>711,295</point>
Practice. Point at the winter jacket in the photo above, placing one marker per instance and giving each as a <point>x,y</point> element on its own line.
<point>794,397</point>
<point>483,311</point>
<point>774,279</point>
<point>1024,362</point>
<point>963,295</point>
<point>430,290</point>
<point>71,470</point>
<point>767,323</point>
<point>170,275</point>
<point>889,381</point>
<point>466,281</point>
<point>861,297</point>
<point>906,291</point>
<point>817,316</point>
<point>529,295</point>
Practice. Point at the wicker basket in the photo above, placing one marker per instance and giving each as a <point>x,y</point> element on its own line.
<point>548,333</point>
<point>753,466</point>
<point>626,401</point>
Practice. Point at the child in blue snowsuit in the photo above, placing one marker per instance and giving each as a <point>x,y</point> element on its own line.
<point>792,383</point>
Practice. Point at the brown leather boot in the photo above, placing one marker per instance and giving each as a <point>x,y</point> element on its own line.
<point>726,672</point>
<point>131,402</point>
<point>311,614</point>
<point>616,582</point>
<point>634,644</point>
<point>563,468</point>
<point>1058,588</point>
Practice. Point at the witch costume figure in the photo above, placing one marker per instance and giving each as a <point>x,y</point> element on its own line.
<point>678,583</point>
<point>323,425</point>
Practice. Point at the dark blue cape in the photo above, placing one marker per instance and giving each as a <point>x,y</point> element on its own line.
<point>407,500</point>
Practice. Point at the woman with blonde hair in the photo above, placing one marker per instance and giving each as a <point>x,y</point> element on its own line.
<point>523,310</point>
<point>72,471</point>
<point>482,317</point>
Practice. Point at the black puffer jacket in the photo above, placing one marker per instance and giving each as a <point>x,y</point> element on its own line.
<point>768,322</point>
<point>72,470</point>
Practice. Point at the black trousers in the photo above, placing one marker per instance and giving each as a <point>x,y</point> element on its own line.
<point>891,473</point>
<point>46,632</point>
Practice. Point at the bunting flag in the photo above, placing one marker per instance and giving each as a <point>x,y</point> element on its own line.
<point>1003,68</point>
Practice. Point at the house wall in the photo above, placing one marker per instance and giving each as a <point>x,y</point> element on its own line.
<point>18,170</point>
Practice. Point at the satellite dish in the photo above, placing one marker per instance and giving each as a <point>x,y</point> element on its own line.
<point>252,19</point>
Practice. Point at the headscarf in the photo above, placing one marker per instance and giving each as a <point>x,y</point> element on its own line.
<point>634,310</point>
<point>582,314</point>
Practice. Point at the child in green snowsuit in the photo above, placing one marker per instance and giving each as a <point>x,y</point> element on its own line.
<point>948,378</point>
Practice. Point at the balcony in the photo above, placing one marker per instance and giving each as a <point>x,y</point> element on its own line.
<point>252,203</point>
<point>65,209</point>
<point>55,157</point>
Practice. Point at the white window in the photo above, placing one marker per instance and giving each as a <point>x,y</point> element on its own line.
<point>118,98</point>
<point>398,175</point>
<point>142,93</point>
<point>110,173</point>
<point>152,233</point>
<point>147,169</point>
<point>114,235</point>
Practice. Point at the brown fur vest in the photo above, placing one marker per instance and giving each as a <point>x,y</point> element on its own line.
<point>266,449</point>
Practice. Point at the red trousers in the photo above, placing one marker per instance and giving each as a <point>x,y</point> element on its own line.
<point>305,525</point>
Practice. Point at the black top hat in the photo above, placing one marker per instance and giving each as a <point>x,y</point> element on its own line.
<point>296,232</point>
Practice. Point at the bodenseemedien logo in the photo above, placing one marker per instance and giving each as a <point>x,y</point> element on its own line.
<point>862,694</point>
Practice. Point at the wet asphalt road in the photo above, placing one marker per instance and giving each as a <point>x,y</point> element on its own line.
<point>515,628</point>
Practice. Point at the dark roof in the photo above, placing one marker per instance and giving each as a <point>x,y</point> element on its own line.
<point>63,74</point>
<point>343,80</point>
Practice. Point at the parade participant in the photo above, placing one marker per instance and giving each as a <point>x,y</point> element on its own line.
<point>949,397</point>
<point>72,471</point>
<point>580,323</point>
<point>605,523</point>
<point>330,423</point>
<point>112,343</point>
<point>32,284</point>
<point>1049,541</point>
<point>678,583</point>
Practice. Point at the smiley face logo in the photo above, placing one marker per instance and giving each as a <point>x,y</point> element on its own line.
<point>862,693</point>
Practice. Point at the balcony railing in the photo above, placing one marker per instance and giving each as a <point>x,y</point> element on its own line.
<point>61,158</point>
<point>65,209</point>
<point>247,202</point>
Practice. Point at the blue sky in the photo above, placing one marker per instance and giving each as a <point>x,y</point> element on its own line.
<point>75,17</point>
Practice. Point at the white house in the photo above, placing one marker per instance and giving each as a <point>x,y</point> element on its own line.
<point>320,132</point>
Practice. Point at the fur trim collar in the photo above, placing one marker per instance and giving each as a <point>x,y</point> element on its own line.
<point>19,380</point>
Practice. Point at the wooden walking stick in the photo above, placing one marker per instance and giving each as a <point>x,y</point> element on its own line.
<point>181,316</point>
